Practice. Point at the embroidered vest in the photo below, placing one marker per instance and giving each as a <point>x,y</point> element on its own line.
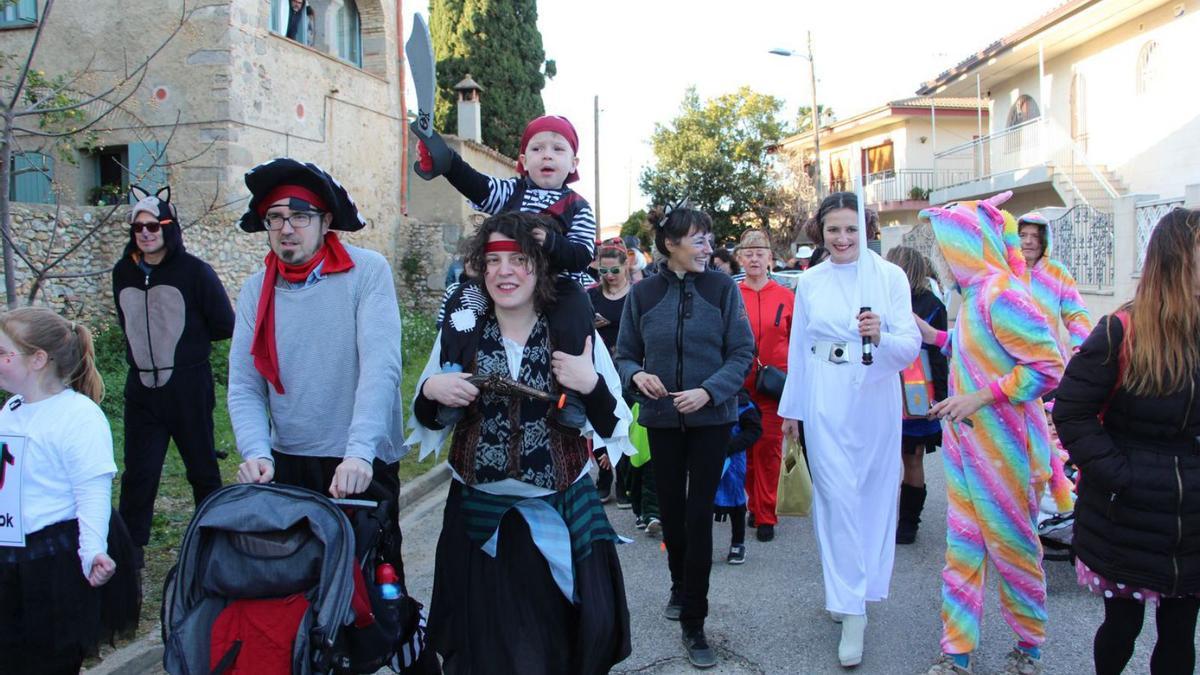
<point>510,437</point>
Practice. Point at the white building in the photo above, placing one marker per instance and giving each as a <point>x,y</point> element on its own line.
<point>893,145</point>
<point>1095,109</point>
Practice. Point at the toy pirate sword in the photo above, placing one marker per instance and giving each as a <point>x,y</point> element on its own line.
<point>434,155</point>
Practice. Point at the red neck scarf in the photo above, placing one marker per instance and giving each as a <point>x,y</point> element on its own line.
<point>266,357</point>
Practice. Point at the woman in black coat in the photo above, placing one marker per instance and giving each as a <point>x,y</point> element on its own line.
<point>1128,412</point>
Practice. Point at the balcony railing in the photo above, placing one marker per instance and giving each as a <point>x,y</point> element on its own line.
<point>1035,143</point>
<point>1018,147</point>
<point>907,184</point>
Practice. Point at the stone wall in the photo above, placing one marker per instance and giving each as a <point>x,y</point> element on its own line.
<point>47,233</point>
<point>439,218</point>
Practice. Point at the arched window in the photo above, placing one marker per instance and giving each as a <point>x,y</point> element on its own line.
<point>1146,67</point>
<point>1023,110</point>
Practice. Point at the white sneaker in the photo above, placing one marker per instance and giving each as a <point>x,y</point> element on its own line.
<point>654,527</point>
<point>850,649</point>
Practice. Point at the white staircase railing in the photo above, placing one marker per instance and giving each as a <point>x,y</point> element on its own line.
<point>1037,142</point>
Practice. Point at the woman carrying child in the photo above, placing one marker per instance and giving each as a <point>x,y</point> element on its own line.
<point>526,578</point>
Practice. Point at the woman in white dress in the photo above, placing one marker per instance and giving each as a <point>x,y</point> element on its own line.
<point>850,409</point>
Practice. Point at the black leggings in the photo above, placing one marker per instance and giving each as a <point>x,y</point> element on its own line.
<point>687,469</point>
<point>1174,652</point>
<point>737,526</point>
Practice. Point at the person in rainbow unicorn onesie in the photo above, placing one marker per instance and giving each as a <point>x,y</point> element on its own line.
<point>996,439</point>
<point>1057,296</point>
<point>1053,288</point>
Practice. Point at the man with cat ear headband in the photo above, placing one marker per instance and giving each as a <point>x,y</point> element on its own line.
<point>171,307</point>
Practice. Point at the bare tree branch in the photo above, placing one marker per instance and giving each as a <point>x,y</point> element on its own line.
<point>185,15</point>
<point>23,74</point>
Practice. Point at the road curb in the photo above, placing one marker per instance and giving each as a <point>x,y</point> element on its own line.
<point>137,657</point>
<point>416,489</point>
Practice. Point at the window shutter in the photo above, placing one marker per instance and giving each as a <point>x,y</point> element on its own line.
<point>27,11</point>
<point>146,167</point>
<point>279,16</point>
<point>33,175</point>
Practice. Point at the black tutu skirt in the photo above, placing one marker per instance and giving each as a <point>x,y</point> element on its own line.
<point>50,617</point>
<point>917,433</point>
<point>506,614</point>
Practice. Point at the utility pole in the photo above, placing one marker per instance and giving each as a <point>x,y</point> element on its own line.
<point>816,117</point>
<point>596,170</point>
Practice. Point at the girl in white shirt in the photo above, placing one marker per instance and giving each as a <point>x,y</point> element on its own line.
<point>59,541</point>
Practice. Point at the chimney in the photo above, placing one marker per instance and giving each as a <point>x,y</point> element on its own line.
<point>470,118</point>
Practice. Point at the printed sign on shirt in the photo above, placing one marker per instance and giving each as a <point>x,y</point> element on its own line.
<point>12,452</point>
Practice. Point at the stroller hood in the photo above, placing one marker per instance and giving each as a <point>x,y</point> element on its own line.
<point>318,538</point>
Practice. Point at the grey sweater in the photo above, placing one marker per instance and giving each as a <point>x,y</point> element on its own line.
<point>339,360</point>
<point>690,332</point>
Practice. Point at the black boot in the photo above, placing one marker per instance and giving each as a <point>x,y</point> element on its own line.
<point>572,414</point>
<point>912,501</point>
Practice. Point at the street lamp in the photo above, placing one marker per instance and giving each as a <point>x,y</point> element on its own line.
<point>816,118</point>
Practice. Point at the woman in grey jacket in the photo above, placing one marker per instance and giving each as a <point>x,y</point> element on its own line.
<point>684,349</point>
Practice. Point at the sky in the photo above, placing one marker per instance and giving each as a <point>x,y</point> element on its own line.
<point>640,56</point>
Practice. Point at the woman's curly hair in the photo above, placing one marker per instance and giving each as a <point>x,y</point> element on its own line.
<point>519,227</point>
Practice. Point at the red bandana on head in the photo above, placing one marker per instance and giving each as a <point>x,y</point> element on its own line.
<point>502,246</point>
<point>559,125</point>
<point>331,253</point>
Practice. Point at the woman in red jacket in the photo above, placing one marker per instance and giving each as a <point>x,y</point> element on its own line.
<point>769,308</point>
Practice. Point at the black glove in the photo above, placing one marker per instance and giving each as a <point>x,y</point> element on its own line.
<point>434,156</point>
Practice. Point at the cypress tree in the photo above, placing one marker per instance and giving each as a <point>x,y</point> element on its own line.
<point>498,43</point>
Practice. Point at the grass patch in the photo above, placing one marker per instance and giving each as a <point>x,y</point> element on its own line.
<point>173,507</point>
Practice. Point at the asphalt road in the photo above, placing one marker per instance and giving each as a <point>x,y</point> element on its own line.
<point>767,616</point>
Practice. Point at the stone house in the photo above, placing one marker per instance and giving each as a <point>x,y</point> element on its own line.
<point>228,91</point>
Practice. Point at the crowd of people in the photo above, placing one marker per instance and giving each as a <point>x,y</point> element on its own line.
<point>675,382</point>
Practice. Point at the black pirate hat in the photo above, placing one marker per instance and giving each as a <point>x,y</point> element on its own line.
<point>265,180</point>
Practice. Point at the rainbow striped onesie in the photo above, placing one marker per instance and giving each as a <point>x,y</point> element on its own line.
<point>996,469</point>
<point>1054,289</point>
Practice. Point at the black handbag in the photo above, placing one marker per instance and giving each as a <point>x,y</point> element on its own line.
<point>768,380</point>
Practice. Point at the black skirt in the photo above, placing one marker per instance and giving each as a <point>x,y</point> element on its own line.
<point>50,617</point>
<point>910,444</point>
<point>506,614</point>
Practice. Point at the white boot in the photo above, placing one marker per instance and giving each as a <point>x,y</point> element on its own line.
<point>850,649</point>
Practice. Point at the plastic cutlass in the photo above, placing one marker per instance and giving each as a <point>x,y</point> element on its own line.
<point>419,50</point>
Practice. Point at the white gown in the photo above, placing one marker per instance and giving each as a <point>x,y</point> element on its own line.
<point>852,416</point>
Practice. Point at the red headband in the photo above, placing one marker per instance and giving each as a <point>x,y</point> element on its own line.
<point>502,246</point>
<point>288,192</point>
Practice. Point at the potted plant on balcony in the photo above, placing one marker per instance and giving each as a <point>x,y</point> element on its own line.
<point>918,193</point>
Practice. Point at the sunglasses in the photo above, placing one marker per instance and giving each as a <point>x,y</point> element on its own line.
<point>150,227</point>
<point>610,270</point>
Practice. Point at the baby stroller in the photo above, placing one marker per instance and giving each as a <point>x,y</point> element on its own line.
<point>278,579</point>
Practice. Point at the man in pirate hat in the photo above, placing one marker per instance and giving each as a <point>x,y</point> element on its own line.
<point>171,307</point>
<point>314,369</point>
